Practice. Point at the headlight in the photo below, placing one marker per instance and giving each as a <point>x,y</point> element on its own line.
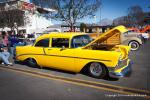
<point>119,60</point>
<point>119,63</point>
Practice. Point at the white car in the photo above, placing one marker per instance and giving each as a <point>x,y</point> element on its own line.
<point>145,35</point>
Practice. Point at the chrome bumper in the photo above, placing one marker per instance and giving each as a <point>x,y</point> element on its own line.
<point>126,72</point>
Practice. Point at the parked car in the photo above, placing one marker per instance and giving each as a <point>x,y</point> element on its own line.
<point>144,36</point>
<point>76,52</point>
<point>123,37</point>
<point>132,39</point>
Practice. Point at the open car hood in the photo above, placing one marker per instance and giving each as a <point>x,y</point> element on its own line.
<point>110,41</point>
<point>102,38</point>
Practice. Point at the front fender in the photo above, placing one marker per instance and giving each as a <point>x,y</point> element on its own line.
<point>108,58</point>
<point>126,42</point>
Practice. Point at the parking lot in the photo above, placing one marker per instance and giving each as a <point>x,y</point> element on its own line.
<point>20,82</point>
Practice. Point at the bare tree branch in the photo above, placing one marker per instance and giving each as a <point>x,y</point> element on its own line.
<point>8,18</point>
<point>72,10</point>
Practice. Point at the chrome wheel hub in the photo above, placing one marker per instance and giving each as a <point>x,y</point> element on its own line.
<point>96,69</point>
<point>134,45</point>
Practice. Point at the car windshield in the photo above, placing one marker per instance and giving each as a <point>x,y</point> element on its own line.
<point>80,41</point>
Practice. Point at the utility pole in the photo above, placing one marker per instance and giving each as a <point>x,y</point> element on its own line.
<point>100,12</point>
<point>94,19</point>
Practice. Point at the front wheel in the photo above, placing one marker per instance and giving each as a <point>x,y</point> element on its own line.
<point>32,62</point>
<point>97,70</point>
<point>134,45</point>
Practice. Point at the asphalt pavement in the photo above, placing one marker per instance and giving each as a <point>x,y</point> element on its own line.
<point>20,82</point>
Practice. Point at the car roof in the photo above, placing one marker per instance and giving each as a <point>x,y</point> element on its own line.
<point>61,35</point>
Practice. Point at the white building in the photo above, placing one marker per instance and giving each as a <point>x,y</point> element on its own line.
<point>33,20</point>
<point>36,23</point>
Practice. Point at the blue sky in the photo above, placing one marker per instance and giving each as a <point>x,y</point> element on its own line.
<point>112,9</point>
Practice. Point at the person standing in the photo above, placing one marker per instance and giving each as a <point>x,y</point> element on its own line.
<point>12,42</point>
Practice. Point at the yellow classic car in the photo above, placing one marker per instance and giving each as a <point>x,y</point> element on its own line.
<point>75,52</point>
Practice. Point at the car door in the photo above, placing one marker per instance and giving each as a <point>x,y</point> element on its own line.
<point>38,51</point>
<point>59,55</point>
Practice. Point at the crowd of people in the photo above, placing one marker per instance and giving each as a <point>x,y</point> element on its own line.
<point>8,42</point>
<point>4,48</point>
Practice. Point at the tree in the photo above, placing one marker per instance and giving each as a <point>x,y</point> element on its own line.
<point>72,10</point>
<point>82,27</point>
<point>135,15</point>
<point>8,18</point>
<point>122,21</point>
<point>147,18</point>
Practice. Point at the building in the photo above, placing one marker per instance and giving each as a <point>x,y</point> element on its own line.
<point>23,16</point>
<point>96,28</point>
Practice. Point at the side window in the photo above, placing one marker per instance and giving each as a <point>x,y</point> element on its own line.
<point>42,43</point>
<point>59,42</point>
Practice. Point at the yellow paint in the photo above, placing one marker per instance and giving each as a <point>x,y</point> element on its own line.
<point>70,59</point>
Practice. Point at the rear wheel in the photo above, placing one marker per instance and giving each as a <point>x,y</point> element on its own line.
<point>32,62</point>
<point>97,70</point>
<point>134,45</point>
